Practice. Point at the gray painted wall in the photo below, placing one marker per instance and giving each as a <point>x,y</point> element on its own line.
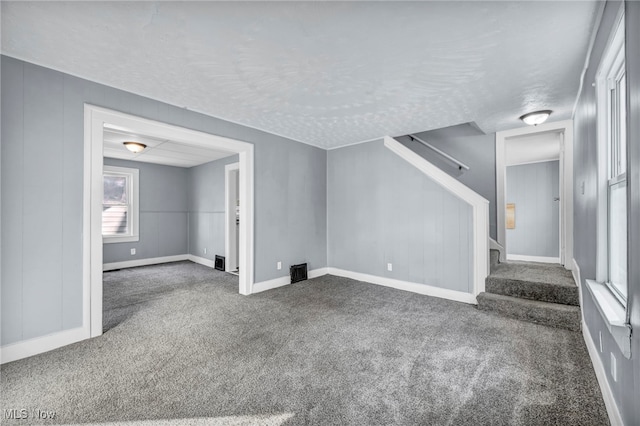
<point>533,188</point>
<point>627,388</point>
<point>475,149</point>
<point>163,213</point>
<point>382,210</point>
<point>206,194</point>
<point>42,172</point>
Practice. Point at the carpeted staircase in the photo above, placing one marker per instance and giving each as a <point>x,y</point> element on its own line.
<point>536,292</point>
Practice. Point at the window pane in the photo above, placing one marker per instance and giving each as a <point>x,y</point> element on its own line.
<point>622,122</point>
<point>115,190</point>
<point>115,220</point>
<point>613,137</point>
<point>618,237</point>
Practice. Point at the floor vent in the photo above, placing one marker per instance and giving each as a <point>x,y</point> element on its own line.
<point>219,263</point>
<point>298,272</point>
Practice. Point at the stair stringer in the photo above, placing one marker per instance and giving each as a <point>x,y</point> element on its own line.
<point>479,206</point>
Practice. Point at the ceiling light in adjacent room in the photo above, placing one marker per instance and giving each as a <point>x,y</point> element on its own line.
<point>535,118</point>
<point>134,147</point>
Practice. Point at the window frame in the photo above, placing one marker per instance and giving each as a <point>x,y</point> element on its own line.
<point>133,197</point>
<point>611,169</point>
<point>612,307</point>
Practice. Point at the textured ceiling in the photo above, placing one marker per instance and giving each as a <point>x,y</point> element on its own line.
<point>327,74</point>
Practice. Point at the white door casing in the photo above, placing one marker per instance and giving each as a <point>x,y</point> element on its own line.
<point>565,128</point>
<point>230,239</point>
<point>94,121</point>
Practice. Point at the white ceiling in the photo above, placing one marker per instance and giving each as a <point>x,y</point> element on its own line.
<point>158,151</point>
<point>532,148</point>
<point>327,74</point>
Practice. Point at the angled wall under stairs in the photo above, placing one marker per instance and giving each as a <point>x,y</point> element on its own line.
<point>545,294</point>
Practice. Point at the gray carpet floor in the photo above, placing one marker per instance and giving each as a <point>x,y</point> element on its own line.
<point>534,272</point>
<point>183,347</point>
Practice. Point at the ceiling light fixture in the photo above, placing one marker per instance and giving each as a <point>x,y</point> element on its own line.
<point>537,117</point>
<point>135,147</point>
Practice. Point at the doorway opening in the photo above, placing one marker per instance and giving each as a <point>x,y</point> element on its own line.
<point>96,120</point>
<point>534,193</point>
<point>532,199</point>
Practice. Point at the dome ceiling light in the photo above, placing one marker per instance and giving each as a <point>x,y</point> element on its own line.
<point>135,147</point>
<point>537,117</point>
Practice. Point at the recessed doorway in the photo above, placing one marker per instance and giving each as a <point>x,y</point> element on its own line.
<point>532,182</point>
<point>564,132</point>
<point>96,120</point>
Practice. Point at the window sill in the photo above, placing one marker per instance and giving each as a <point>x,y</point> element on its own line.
<point>613,314</point>
<point>127,239</point>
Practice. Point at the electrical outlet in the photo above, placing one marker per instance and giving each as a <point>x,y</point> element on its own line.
<point>133,251</point>
<point>601,342</point>
<point>205,250</point>
<point>614,368</point>
<point>389,267</point>
<point>279,265</point>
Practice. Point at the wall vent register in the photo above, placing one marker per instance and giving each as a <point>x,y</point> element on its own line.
<point>298,272</point>
<point>219,263</point>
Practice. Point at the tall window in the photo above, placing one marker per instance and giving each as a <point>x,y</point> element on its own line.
<point>612,125</point>
<point>120,204</point>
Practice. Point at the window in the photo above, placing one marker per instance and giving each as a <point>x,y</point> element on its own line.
<point>120,205</point>
<point>612,141</point>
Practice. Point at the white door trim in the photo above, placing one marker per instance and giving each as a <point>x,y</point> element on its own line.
<point>230,217</point>
<point>566,197</point>
<point>94,120</point>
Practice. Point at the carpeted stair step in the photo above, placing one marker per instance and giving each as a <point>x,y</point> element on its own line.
<point>543,292</point>
<point>549,314</point>
<point>545,283</point>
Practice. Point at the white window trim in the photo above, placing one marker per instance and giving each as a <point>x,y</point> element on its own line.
<point>133,176</point>
<point>609,305</point>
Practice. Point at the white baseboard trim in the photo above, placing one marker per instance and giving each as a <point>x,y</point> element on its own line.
<point>540,259</point>
<point>315,273</point>
<point>143,262</point>
<point>575,271</point>
<point>286,280</point>
<point>201,260</point>
<point>424,289</point>
<point>38,345</point>
<point>607,395</point>
<point>270,284</point>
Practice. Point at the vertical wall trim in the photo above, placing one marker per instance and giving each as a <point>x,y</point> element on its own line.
<point>561,190</point>
<point>247,248</point>
<point>592,41</point>
<point>229,214</point>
